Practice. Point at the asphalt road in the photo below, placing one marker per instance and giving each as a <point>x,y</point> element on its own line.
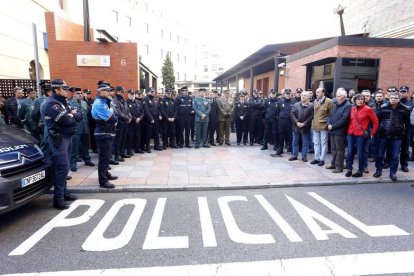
<point>250,228</point>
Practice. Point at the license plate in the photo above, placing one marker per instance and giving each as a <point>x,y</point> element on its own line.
<point>28,180</point>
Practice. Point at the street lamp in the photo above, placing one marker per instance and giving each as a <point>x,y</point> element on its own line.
<point>340,10</point>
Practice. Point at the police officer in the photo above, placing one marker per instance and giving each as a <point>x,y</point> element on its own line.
<point>285,121</point>
<point>241,119</point>
<point>168,111</point>
<point>124,118</point>
<point>91,122</point>
<point>13,106</point>
<point>105,131</point>
<point>185,111</point>
<point>24,113</point>
<point>201,106</point>
<point>256,106</point>
<point>60,122</point>
<point>152,120</point>
<point>134,127</point>
<point>38,119</point>
<point>192,124</point>
<point>213,120</point>
<point>81,138</point>
<point>271,108</point>
<point>405,144</point>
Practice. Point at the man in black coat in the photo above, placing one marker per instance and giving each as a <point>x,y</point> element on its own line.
<point>213,120</point>
<point>12,107</point>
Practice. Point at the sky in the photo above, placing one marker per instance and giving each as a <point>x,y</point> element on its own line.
<point>239,28</point>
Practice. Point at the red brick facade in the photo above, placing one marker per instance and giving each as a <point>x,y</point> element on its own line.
<point>65,41</point>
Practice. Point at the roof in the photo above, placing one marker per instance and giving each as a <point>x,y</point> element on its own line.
<point>269,51</point>
<point>145,68</point>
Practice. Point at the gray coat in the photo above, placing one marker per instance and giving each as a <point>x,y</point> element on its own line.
<point>339,118</point>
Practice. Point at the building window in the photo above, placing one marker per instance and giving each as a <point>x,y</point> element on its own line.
<point>205,68</point>
<point>162,33</point>
<point>129,21</point>
<point>214,67</point>
<point>327,69</point>
<point>147,49</point>
<point>61,4</point>
<point>221,68</point>
<point>162,53</point>
<point>146,27</point>
<point>115,14</point>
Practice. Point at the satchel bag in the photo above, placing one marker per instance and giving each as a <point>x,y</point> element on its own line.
<point>366,133</point>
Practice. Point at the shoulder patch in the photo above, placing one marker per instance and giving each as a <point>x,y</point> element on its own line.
<point>56,107</point>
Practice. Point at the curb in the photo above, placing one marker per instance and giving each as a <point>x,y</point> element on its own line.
<point>236,186</point>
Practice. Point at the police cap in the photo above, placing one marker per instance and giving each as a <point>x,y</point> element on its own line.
<point>87,91</point>
<point>74,89</point>
<point>392,89</point>
<point>59,83</point>
<point>299,90</point>
<point>255,91</point>
<point>119,88</point>
<point>404,89</point>
<point>131,91</point>
<point>139,92</point>
<point>202,89</point>
<point>104,87</point>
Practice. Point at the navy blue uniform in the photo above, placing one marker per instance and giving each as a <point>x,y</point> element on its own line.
<point>285,124</point>
<point>256,119</point>
<point>184,108</point>
<point>123,115</point>
<point>61,125</point>
<point>134,127</point>
<point>152,122</point>
<point>168,110</point>
<point>213,122</point>
<point>242,126</point>
<point>271,108</point>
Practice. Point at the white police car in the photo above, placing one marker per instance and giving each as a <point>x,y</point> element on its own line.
<point>23,173</point>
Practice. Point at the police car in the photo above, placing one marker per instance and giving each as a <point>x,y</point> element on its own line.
<point>23,173</point>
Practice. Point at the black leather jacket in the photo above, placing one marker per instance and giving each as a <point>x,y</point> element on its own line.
<point>394,123</point>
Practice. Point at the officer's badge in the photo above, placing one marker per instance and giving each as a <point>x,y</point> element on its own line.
<point>166,103</point>
<point>205,103</point>
<point>238,105</point>
<point>150,102</point>
<point>182,100</point>
<point>130,105</point>
<point>56,107</point>
<point>283,105</point>
<point>32,107</point>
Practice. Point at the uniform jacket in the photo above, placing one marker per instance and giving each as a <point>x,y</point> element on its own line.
<point>12,107</point>
<point>168,108</point>
<point>394,123</point>
<point>285,109</point>
<point>121,109</point>
<point>104,116</point>
<point>151,108</point>
<point>184,106</point>
<point>24,114</point>
<point>81,107</point>
<point>226,106</point>
<point>301,114</point>
<point>55,112</point>
<point>35,111</point>
<point>365,116</point>
<point>241,109</point>
<point>136,109</point>
<point>214,110</point>
<point>322,109</point>
<point>256,107</point>
<point>339,118</point>
<point>271,109</point>
<point>201,106</point>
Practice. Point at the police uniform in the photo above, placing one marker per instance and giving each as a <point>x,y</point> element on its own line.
<point>80,141</point>
<point>134,127</point>
<point>271,108</point>
<point>242,126</point>
<point>201,107</point>
<point>12,108</point>
<point>60,123</point>
<point>91,121</point>
<point>40,122</point>
<point>185,111</point>
<point>104,116</point>
<point>285,123</point>
<point>256,106</point>
<point>124,116</point>
<point>168,111</point>
<point>213,120</point>
<point>152,121</point>
<point>24,115</point>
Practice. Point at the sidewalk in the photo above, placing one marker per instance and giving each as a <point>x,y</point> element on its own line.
<point>221,167</point>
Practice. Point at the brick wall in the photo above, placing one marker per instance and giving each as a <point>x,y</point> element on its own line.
<point>62,58</point>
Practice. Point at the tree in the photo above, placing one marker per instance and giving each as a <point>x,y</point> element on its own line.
<point>168,79</point>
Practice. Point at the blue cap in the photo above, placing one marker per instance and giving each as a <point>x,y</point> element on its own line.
<point>59,83</point>
<point>104,87</point>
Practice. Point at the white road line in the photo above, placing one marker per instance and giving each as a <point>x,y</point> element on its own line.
<point>359,264</point>
<point>207,229</point>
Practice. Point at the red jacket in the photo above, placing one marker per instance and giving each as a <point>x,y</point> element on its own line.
<point>365,115</point>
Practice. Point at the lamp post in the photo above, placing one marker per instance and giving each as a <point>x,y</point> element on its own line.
<point>340,10</point>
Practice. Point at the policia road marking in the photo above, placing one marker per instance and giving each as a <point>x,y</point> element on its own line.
<point>97,242</point>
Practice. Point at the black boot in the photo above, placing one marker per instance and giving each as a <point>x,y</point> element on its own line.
<point>59,203</point>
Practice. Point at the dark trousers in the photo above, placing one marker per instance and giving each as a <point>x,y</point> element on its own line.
<point>184,126</point>
<point>120,139</point>
<point>79,141</point>
<point>60,162</point>
<point>285,134</point>
<point>212,128</point>
<point>394,146</point>
<point>92,126</point>
<point>255,129</point>
<point>152,131</point>
<point>356,143</point>
<point>168,133</point>
<point>270,132</point>
<point>338,151</point>
<point>242,130</point>
<point>104,145</point>
<point>133,137</point>
<point>192,128</point>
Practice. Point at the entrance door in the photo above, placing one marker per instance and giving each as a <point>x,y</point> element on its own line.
<point>259,85</point>
<point>265,88</point>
